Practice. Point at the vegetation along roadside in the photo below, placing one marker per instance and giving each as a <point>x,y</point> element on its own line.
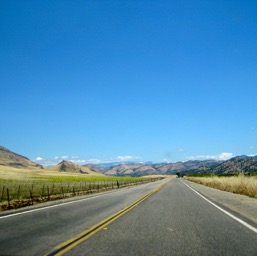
<point>239,184</point>
<point>19,193</point>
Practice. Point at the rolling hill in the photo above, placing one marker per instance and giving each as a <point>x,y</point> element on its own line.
<point>67,166</point>
<point>236,165</point>
<point>142,169</point>
<point>11,159</point>
<point>12,163</point>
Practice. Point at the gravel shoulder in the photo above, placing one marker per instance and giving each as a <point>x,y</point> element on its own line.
<point>240,205</point>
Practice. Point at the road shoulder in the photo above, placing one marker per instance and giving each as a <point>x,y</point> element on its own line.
<point>241,205</point>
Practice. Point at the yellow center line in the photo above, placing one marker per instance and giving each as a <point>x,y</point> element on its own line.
<point>71,243</point>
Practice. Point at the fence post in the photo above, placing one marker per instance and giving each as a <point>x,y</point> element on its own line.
<point>2,194</point>
<point>8,197</point>
<point>31,196</point>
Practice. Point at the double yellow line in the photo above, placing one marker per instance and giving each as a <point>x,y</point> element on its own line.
<point>68,245</point>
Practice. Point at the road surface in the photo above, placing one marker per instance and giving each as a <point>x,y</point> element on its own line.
<point>38,232</point>
<point>175,220</point>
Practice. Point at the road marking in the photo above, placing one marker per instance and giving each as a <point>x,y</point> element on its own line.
<point>61,204</point>
<point>68,245</point>
<point>224,211</point>
<point>53,206</point>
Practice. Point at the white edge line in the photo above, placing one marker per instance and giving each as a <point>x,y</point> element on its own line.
<point>61,204</point>
<point>224,211</point>
<point>53,206</point>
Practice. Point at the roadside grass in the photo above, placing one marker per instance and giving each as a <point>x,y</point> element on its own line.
<point>240,184</point>
<point>19,188</point>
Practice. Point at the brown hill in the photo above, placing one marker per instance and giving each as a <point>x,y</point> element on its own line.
<point>187,167</point>
<point>11,159</point>
<point>141,169</point>
<point>131,170</point>
<point>236,165</point>
<point>94,168</point>
<point>67,166</point>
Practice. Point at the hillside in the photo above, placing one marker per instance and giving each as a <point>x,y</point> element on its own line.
<point>141,169</point>
<point>67,166</point>
<point>131,170</point>
<point>187,167</point>
<point>94,168</point>
<point>236,165</point>
<point>11,159</point>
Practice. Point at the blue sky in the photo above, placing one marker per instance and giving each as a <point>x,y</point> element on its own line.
<point>95,81</point>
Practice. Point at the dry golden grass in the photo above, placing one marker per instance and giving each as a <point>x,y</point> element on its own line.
<point>11,173</point>
<point>237,184</point>
<point>22,187</point>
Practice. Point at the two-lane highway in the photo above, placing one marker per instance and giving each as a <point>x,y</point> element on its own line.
<point>174,220</point>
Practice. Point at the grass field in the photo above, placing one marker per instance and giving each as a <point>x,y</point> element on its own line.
<point>241,184</point>
<point>21,187</point>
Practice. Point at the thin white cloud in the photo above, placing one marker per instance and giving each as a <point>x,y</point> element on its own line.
<point>251,147</point>
<point>77,160</point>
<point>127,158</point>
<point>39,158</point>
<point>181,150</point>
<point>222,156</point>
<point>225,156</point>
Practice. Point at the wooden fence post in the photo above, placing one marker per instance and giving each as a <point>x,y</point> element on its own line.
<point>8,197</point>
<point>31,196</point>
<point>2,197</point>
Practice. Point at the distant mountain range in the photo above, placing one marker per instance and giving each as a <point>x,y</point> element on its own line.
<point>142,169</point>
<point>235,165</point>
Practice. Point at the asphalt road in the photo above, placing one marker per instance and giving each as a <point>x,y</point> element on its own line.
<point>38,232</point>
<point>173,221</point>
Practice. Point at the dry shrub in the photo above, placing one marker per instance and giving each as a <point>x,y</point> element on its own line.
<point>237,184</point>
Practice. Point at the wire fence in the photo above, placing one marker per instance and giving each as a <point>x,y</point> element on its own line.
<point>14,196</point>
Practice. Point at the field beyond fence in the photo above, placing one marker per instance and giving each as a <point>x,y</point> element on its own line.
<point>245,185</point>
<point>16,194</point>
